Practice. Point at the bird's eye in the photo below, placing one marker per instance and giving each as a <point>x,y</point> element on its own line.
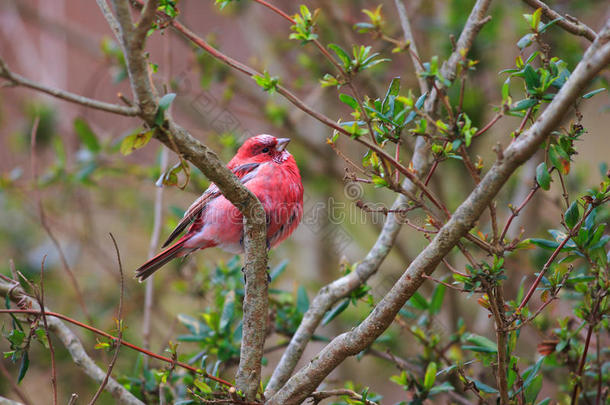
<point>265,150</point>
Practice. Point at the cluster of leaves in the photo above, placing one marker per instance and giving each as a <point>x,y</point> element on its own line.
<point>304,25</point>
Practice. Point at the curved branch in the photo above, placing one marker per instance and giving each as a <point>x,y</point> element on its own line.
<point>350,343</point>
<point>568,23</point>
<point>18,80</point>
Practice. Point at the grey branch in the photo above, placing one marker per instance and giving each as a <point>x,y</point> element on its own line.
<point>18,80</point>
<point>568,23</point>
<point>343,286</point>
<point>350,343</point>
<point>73,344</point>
<point>180,141</point>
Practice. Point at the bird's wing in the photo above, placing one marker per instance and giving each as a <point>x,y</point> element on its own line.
<point>243,172</point>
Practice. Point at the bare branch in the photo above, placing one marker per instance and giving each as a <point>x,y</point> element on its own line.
<point>568,23</point>
<point>18,80</point>
<point>350,343</point>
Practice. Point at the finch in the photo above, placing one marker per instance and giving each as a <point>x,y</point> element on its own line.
<point>269,171</point>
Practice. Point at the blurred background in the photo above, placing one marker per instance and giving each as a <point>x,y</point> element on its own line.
<point>88,188</point>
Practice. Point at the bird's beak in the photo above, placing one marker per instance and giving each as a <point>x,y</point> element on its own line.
<point>281,144</point>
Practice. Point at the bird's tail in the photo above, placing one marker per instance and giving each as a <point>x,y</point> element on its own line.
<point>154,264</point>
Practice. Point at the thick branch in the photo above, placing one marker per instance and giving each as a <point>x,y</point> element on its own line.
<point>350,343</point>
<point>72,344</point>
<point>342,287</point>
<point>568,23</point>
<point>181,142</point>
<point>18,80</point>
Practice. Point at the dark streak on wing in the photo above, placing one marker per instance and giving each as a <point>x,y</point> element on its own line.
<point>198,207</point>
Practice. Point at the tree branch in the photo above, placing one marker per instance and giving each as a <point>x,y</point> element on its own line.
<point>343,286</point>
<point>568,22</point>
<point>181,142</point>
<point>350,343</point>
<point>18,80</point>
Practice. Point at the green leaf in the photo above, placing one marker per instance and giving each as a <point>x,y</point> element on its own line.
<point>417,301</point>
<point>349,100</point>
<point>481,342</point>
<point>559,158</point>
<point>444,387</point>
<point>532,79</point>
<point>543,177</point>
<point>524,104</point>
<point>525,41</point>
<point>302,300</point>
<point>86,135</point>
<point>437,299</point>
<point>594,92</point>
<point>536,18</point>
<point>484,387</point>
<point>546,26</point>
<point>342,54</point>
<point>228,310</point>
<point>430,376</point>
<point>23,368</point>
<point>330,315</point>
<point>532,391</point>
<point>164,104</point>
<point>135,141</point>
<point>572,215</point>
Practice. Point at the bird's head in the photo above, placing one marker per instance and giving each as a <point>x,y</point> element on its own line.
<point>263,148</point>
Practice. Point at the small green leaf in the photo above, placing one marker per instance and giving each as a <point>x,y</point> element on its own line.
<point>342,54</point>
<point>437,299</point>
<point>532,391</point>
<point>330,315</point>
<point>543,177</point>
<point>525,41</point>
<point>430,376</point>
<point>86,135</point>
<point>594,92</point>
<point>302,300</point>
<point>524,104</point>
<point>536,18</point>
<point>228,310</point>
<point>164,104</point>
<point>484,387</point>
<point>417,301</point>
<point>532,79</point>
<point>572,215</point>
<point>23,368</point>
<point>349,100</point>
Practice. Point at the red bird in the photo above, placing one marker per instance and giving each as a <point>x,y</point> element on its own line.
<point>267,169</point>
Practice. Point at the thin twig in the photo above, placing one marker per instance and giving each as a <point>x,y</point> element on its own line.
<point>119,323</point>
<point>46,331</point>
